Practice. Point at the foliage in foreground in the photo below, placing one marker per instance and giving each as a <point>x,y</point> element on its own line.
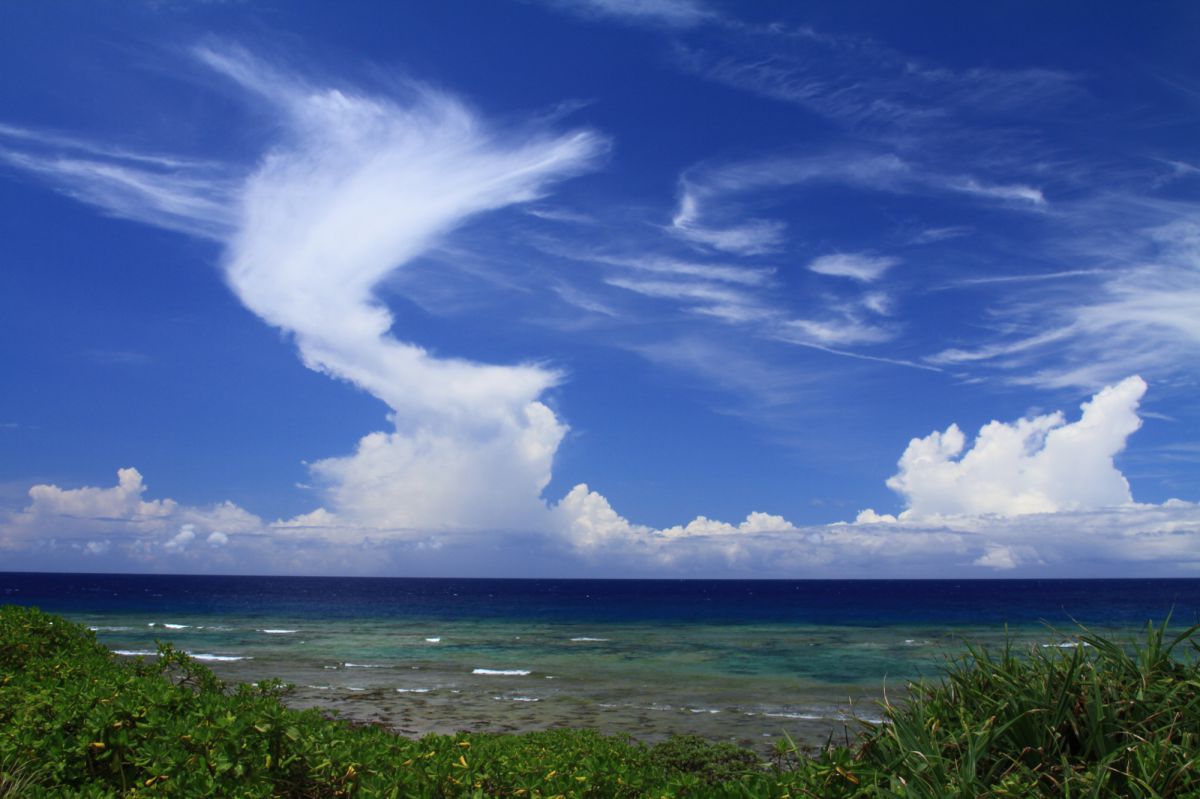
<point>1096,720</point>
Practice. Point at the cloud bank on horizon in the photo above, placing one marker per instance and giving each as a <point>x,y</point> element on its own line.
<point>1039,494</point>
<point>355,190</point>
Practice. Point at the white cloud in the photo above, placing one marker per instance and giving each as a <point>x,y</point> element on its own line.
<point>97,547</point>
<point>1015,191</point>
<point>869,516</point>
<point>878,302</point>
<point>862,267</point>
<point>373,184</point>
<point>130,524</point>
<point>1028,278</point>
<point>998,557</point>
<point>122,502</point>
<point>673,13</point>
<point>933,235</point>
<point>756,522</point>
<point>189,196</point>
<point>479,476</point>
<point>711,197</point>
<point>844,332</point>
<point>354,187</point>
<point>679,290</point>
<point>752,237</point>
<point>561,215</point>
<point>727,273</point>
<point>589,521</point>
<point>587,536</point>
<point>870,88</point>
<point>1136,316</point>
<point>1037,465</point>
<point>180,541</point>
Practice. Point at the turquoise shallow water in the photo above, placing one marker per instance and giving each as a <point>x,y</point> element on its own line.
<point>760,661</point>
<point>750,682</point>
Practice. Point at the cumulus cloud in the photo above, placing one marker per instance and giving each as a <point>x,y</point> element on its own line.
<point>487,476</point>
<point>588,537</point>
<point>97,547</point>
<point>121,503</point>
<point>180,541</point>
<point>998,557</point>
<point>755,522</point>
<point>119,521</point>
<point>1037,465</point>
<point>590,522</point>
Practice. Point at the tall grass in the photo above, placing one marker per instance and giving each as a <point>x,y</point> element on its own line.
<point>1100,718</point>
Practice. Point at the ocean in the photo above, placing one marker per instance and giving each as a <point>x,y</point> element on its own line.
<point>746,661</point>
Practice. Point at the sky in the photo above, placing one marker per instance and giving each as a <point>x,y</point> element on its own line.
<point>600,288</point>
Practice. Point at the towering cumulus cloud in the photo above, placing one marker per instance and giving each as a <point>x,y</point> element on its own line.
<point>359,187</point>
<point>352,187</point>
<point>1038,465</point>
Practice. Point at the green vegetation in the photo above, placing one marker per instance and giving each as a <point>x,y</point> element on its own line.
<point>1103,719</point>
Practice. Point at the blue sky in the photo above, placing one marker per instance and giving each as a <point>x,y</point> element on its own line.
<point>600,287</point>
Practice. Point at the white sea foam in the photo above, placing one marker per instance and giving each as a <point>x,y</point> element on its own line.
<point>803,716</point>
<point>204,656</point>
<point>106,629</point>
<point>177,626</point>
<point>412,690</point>
<point>703,710</point>
<point>1066,645</point>
<point>584,638</point>
<point>502,672</point>
<point>279,632</point>
<point>526,699</point>
<point>434,640</point>
<point>365,666</point>
<point>135,653</point>
<point>354,688</point>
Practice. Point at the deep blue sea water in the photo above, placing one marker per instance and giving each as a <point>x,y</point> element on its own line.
<point>746,660</point>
